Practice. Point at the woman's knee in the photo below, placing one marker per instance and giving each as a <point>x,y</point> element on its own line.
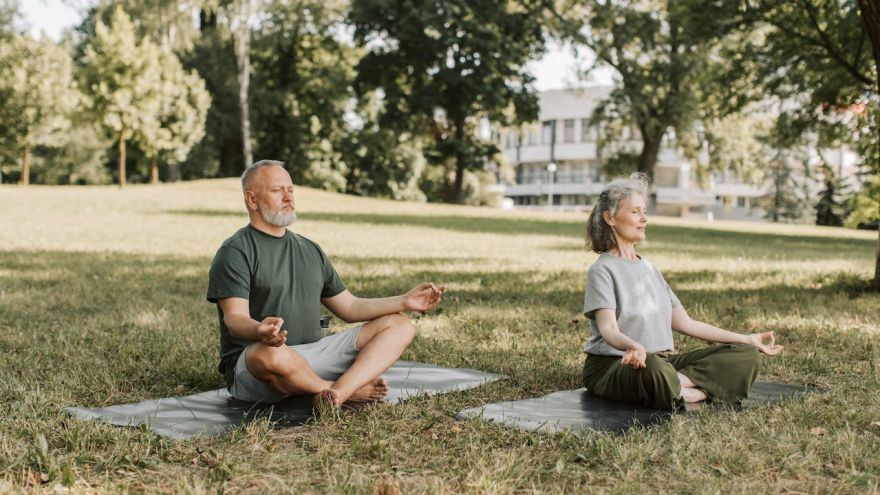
<point>660,382</point>
<point>747,354</point>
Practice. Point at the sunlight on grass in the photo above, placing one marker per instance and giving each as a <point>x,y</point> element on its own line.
<point>102,301</point>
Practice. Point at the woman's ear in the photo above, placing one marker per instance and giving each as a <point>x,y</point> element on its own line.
<point>606,215</point>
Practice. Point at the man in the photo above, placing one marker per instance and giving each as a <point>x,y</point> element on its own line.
<point>268,283</point>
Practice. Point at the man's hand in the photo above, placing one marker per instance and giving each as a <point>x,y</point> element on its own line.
<point>765,342</point>
<point>270,333</point>
<point>423,298</point>
<point>635,357</point>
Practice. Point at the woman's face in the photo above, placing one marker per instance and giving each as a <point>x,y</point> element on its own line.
<point>631,219</point>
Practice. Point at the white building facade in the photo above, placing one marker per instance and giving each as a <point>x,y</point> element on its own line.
<point>563,135</point>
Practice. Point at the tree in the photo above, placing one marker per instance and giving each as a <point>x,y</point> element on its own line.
<point>182,110</point>
<point>820,51</point>
<point>303,96</point>
<point>38,95</point>
<point>243,11</point>
<point>829,208</point>
<point>665,61</point>
<point>122,77</point>
<point>213,57</point>
<point>443,65</point>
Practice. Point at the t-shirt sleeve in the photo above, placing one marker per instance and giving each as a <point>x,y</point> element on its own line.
<point>599,293</point>
<point>672,297</point>
<point>333,285</point>
<point>230,275</point>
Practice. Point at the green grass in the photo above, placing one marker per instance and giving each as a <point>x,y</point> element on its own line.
<point>102,301</point>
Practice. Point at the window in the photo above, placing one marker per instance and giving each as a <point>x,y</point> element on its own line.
<point>588,132</point>
<point>547,128</point>
<point>741,201</point>
<point>568,131</point>
<point>533,136</point>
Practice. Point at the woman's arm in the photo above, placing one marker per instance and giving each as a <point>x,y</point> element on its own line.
<point>635,355</point>
<point>682,323</point>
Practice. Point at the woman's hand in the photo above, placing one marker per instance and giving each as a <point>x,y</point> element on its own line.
<point>764,342</point>
<point>635,356</point>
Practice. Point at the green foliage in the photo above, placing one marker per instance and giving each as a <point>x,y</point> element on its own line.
<point>300,99</point>
<point>9,13</point>
<point>121,77</point>
<point>169,23</point>
<point>738,143</point>
<point>663,61</point>
<point>212,56</point>
<point>180,120</point>
<point>829,207</point>
<point>384,162</point>
<point>37,94</point>
<point>442,66</point>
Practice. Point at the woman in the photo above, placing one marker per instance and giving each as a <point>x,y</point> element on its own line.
<point>632,312</point>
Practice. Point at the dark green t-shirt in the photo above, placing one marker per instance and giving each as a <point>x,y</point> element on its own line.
<point>279,276</point>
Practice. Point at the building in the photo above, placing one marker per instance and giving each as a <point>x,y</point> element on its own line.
<point>564,137</point>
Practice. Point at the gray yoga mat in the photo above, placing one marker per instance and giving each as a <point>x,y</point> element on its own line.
<point>578,410</point>
<point>215,411</point>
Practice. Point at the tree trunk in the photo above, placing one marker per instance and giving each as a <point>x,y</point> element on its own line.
<point>871,15</point>
<point>122,158</point>
<point>459,163</point>
<point>650,150</point>
<point>26,165</point>
<point>243,59</point>
<point>154,172</point>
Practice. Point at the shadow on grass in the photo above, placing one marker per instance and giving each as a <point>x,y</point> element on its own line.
<point>697,240</point>
<point>113,328</point>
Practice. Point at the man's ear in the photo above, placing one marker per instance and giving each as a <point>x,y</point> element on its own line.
<point>250,200</point>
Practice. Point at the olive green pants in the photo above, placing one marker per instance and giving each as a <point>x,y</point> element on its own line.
<point>724,371</point>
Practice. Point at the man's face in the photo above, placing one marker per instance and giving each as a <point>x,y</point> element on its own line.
<point>272,191</point>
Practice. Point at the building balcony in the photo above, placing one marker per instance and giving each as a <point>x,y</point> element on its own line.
<point>559,189</point>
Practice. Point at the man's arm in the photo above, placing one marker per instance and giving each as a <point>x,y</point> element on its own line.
<point>237,317</point>
<point>352,308</point>
<point>682,323</point>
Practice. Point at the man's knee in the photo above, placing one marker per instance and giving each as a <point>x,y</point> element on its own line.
<point>263,360</point>
<point>398,324</point>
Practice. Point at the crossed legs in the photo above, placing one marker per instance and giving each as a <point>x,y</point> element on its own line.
<point>380,343</point>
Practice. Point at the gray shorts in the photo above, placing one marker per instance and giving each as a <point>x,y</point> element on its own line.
<point>329,358</point>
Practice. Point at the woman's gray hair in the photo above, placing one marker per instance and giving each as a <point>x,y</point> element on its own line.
<point>249,172</point>
<point>599,234</point>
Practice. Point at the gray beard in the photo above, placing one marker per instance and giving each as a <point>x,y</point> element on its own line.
<point>277,218</point>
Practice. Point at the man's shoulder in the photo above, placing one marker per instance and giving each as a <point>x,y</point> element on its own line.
<point>239,243</point>
<point>239,237</point>
<point>303,240</point>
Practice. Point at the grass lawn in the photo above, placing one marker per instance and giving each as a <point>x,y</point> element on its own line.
<point>102,301</point>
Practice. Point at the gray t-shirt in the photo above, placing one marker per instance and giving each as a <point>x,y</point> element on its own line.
<point>639,296</point>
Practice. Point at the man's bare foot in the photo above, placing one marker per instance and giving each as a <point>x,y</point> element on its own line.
<point>327,398</point>
<point>371,392</point>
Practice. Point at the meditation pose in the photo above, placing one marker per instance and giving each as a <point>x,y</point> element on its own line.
<point>268,284</point>
<point>632,312</point>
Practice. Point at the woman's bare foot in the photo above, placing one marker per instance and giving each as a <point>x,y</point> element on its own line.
<point>692,394</point>
<point>371,392</point>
